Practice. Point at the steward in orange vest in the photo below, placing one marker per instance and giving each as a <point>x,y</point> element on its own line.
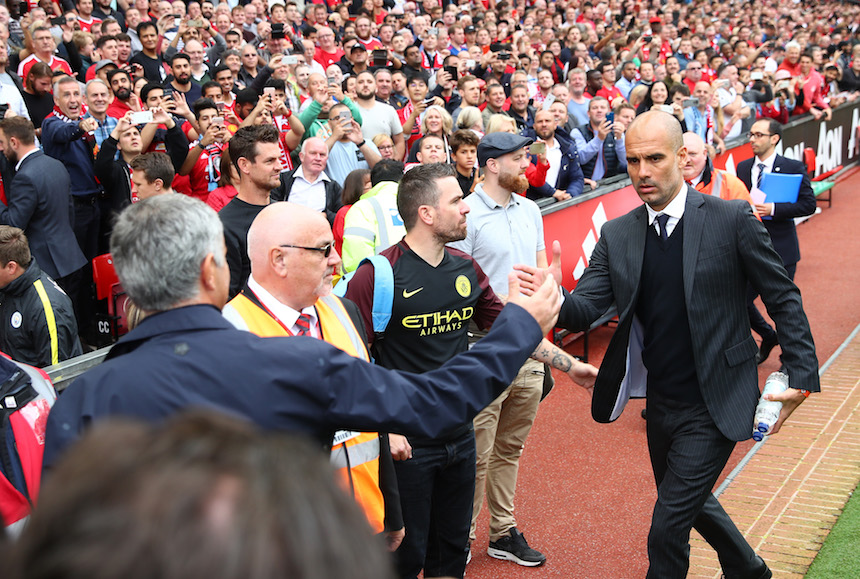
<point>355,455</point>
<point>723,185</point>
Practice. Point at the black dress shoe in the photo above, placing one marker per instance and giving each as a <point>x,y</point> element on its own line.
<point>767,344</point>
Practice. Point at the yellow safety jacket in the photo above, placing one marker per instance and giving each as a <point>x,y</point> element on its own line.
<point>355,455</point>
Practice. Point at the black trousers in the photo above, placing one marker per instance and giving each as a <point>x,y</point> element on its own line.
<point>688,452</point>
<point>757,322</point>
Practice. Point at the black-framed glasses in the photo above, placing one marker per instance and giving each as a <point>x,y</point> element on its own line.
<point>326,249</point>
<point>752,135</point>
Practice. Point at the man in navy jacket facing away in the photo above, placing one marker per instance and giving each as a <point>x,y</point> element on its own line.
<point>184,353</point>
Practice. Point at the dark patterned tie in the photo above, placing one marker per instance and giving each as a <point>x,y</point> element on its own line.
<point>663,221</point>
<point>760,175</point>
<point>304,325</point>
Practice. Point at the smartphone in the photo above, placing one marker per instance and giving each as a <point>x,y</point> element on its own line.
<point>610,117</point>
<point>380,57</point>
<point>332,81</point>
<point>168,91</point>
<point>452,70</point>
<point>223,107</point>
<point>433,31</point>
<point>269,90</point>
<point>537,148</point>
<point>58,21</point>
<point>278,30</point>
<point>547,102</point>
<point>195,23</point>
<point>290,59</point>
<point>667,109</point>
<point>470,64</point>
<point>429,101</point>
<point>505,56</point>
<point>141,117</point>
<point>756,76</point>
<point>177,20</point>
<point>647,39</point>
<point>218,121</point>
<point>690,103</point>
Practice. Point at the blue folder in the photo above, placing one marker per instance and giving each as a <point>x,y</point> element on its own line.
<point>780,187</point>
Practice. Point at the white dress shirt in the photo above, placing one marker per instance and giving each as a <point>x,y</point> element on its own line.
<point>768,168</point>
<point>675,211</point>
<point>304,192</point>
<point>284,313</point>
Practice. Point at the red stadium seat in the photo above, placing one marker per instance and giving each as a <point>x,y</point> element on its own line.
<point>108,288</point>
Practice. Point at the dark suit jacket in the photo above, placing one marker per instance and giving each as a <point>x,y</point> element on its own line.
<point>725,247</point>
<point>781,226</point>
<point>332,193</point>
<point>39,202</point>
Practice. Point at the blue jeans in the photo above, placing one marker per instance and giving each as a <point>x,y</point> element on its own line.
<point>436,489</point>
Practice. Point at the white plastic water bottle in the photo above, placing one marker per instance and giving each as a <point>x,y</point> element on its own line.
<point>767,411</point>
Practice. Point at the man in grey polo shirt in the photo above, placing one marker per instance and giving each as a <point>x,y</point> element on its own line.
<point>504,229</point>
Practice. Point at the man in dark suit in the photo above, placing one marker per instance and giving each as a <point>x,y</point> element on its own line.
<point>38,201</point>
<point>778,217</point>
<point>678,269</point>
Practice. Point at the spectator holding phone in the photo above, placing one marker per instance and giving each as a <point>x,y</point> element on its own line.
<point>600,143</point>
<point>564,177</point>
<point>348,149</point>
<point>202,166</point>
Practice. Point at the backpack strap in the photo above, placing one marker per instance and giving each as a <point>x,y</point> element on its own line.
<point>383,291</point>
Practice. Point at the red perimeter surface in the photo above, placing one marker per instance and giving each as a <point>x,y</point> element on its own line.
<point>586,491</point>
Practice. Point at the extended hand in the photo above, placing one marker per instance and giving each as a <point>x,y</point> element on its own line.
<point>584,375</point>
<point>791,399</point>
<point>531,277</point>
<point>543,305</point>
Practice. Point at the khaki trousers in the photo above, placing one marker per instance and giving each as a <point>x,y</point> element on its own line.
<point>500,433</point>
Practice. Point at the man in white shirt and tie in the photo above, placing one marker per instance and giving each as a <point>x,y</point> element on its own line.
<point>778,218</point>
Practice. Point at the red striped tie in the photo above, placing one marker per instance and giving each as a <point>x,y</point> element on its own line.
<point>304,325</point>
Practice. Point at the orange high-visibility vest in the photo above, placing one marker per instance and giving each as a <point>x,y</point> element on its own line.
<point>355,455</point>
<point>726,186</point>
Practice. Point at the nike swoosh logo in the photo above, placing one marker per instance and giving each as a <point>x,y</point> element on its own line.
<point>408,295</point>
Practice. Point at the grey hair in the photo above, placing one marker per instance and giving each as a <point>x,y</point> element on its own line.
<point>95,81</point>
<point>158,246</point>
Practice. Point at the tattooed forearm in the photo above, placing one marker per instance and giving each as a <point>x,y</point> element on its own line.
<point>549,353</point>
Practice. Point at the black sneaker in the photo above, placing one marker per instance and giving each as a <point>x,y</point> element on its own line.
<point>515,548</point>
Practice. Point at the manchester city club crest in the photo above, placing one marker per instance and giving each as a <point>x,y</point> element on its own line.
<point>463,285</point>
